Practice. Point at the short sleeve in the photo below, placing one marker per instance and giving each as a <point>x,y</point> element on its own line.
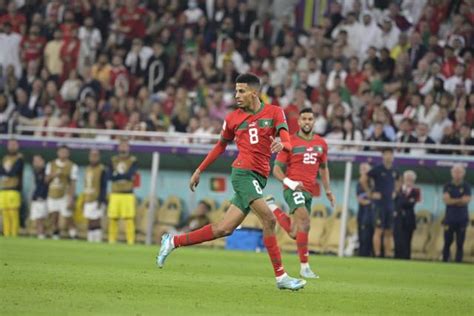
<point>74,172</point>
<point>227,134</point>
<point>282,158</point>
<point>280,119</point>
<point>324,157</point>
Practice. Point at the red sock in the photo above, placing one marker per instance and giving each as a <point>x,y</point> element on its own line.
<point>271,244</point>
<point>195,237</point>
<point>302,245</point>
<point>283,219</point>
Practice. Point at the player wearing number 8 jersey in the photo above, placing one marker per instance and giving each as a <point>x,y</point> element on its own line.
<point>253,126</point>
<point>307,157</point>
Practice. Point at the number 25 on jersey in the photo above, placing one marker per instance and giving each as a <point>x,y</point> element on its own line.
<point>310,158</point>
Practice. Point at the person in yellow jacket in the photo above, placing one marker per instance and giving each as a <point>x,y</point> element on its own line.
<point>122,170</point>
<point>11,174</point>
<point>61,176</point>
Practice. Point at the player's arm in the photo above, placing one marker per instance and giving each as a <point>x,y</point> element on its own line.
<point>279,173</point>
<point>103,187</point>
<point>218,149</point>
<point>466,198</point>
<point>72,186</point>
<point>282,131</point>
<point>325,176</point>
<point>49,176</point>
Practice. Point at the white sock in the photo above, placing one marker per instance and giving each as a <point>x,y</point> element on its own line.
<point>272,207</point>
<point>72,233</point>
<point>305,265</point>
<point>281,277</point>
<point>90,235</point>
<point>98,235</point>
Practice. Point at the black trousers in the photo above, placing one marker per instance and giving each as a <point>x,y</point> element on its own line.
<point>366,233</point>
<point>402,236</point>
<point>460,230</point>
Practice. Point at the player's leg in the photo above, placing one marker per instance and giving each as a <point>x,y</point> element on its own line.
<point>302,220</point>
<point>284,281</point>
<point>38,214</point>
<point>129,217</point>
<point>460,237</point>
<point>113,212</point>
<point>282,218</point>
<point>53,211</point>
<point>377,238</point>
<point>13,206</point>
<point>231,220</point>
<point>448,240</point>
<point>388,232</point>
<point>67,214</point>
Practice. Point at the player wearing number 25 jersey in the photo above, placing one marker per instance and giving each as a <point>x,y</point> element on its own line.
<point>302,163</point>
<point>253,126</point>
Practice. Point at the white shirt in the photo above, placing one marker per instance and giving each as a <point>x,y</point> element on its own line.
<point>451,83</point>
<point>436,132</point>
<point>145,53</point>
<point>10,52</point>
<point>90,40</point>
<point>429,116</point>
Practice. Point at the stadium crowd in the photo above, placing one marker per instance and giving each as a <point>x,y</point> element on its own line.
<point>396,71</point>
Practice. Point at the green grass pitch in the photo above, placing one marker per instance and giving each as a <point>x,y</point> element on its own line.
<point>76,278</point>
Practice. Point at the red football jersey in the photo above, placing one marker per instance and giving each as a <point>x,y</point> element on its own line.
<point>302,164</point>
<point>252,134</point>
<point>32,48</point>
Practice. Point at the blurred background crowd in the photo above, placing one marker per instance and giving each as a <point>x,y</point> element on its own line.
<point>378,70</point>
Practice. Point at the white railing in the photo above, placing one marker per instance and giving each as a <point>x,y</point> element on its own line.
<point>176,137</point>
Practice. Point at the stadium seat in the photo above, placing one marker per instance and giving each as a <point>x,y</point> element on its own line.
<point>319,218</point>
<point>421,235</point>
<point>333,228</point>
<point>141,219</point>
<point>216,215</point>
<point>168,216</point>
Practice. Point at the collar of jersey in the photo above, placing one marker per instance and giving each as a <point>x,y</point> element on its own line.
<point>306,139</point>
<point>258,111</point>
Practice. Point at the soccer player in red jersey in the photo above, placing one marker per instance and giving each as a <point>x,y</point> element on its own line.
<point>253,126</point>
<point>302,163</point>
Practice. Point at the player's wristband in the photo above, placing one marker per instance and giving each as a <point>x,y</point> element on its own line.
<point>290,183</point>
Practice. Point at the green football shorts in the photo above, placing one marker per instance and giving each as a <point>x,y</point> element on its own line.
<point>296,199</point>
<point>248,186</point>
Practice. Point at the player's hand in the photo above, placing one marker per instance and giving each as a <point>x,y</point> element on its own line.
<point>300,186</point>
<point>376,195</point>
<point>331,198</point>
<point>194,180</point>
<point>276,146</point>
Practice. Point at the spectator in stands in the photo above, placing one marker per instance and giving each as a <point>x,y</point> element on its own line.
<point>384,177</point>
<point>10,42</point>
<point>422,137</point>
<point>427,111</point>
<point>378,135</point>
<point>440,123</point>
<point>61,176</point>
<point>39,211</point>
<point>48,119</point>
<point>407,195</point>
<point>465,138</point>
<point>351,133</point>
<point>405,135</point>
<point>365,214</point>
<point>449,138</point>
<point>457,195</point>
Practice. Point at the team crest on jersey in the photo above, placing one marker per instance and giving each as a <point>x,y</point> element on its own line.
<point>319,149</point>
<point>309,149</point>
<point>252,124</point>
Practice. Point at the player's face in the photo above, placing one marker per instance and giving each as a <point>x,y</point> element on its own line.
<point>124,148</point>
<point>457,173</point>
<point>387,157</point>
<point>306,122</point>
<point>12,146</point>
<point>94,157</point>
<point>38,162</point>
<point>244,94</point>
<point>63,153</point>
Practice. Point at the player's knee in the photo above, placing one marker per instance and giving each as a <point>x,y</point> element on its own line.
<point>304,225</point>
<point>269,222</point>
<point>223,230</point>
